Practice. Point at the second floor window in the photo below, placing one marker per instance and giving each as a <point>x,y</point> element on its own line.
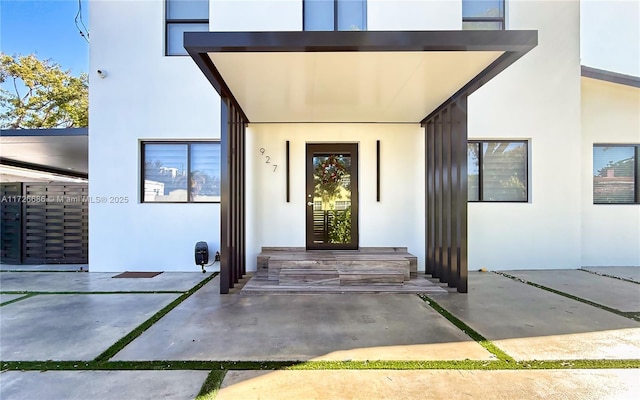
<point>483,14</point>
<point>184,16</point>
<point>334,15</point>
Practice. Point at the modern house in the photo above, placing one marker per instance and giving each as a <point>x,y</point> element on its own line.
<point>469,132</point>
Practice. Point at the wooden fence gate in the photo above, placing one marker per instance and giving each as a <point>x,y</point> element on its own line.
<point>45,223</point>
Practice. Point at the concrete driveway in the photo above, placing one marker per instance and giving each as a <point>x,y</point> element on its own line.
<point>91,321</point>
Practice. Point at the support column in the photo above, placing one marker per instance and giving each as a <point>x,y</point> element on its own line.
<point>232,197</point>
<point>446,193</point>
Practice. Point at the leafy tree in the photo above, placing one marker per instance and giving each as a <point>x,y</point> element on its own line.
<point>42,95</point>
<point>328,177</point>
<point>340,226</point>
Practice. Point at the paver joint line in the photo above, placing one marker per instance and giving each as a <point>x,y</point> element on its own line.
<point>18,299</point>
<point>609,276</point>
<point>488,345</point>
<point>123,342</point>
<point>631,315</point>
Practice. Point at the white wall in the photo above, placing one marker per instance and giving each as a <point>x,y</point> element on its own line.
<point>610,233</point>
<point>397,220</point>
<point>407,15</point>
<point>144,96</point>
<point>611,35</point>
<point>537,98</point>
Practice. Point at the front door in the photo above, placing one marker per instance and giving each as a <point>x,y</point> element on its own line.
<point>332,196</point>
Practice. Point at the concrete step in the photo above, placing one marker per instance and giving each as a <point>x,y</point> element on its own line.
<point>371,277</point>
<point>314,277</point>
<point>374,266</point>
<point>398,265</point>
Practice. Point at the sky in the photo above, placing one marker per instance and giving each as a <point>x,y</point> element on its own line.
<point>610,34</point>
<point>46,28</point>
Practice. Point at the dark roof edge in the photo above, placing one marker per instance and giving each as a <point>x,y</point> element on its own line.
<point>42,168</point>
<point>45,132</point>
<point>610,76</point>
<point>350,41</point>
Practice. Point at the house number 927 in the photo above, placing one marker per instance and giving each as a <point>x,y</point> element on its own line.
<point>267,159</point>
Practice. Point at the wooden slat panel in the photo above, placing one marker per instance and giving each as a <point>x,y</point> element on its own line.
<point>56,230</point>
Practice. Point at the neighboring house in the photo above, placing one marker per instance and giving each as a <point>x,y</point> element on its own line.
<point>429,104</point>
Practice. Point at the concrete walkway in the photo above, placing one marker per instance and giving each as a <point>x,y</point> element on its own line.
<point>100,385</point>
<point>526,322</point>
<point>429,384</point>
<point>614,293</point>
<point>95,282</point>
<point>532,324</point>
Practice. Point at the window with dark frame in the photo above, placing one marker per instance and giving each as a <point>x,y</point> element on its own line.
<point>497,171</point>
<point>334,15</point>
<point>180,172</point>
<point>184,16</point>
<point>483,14</point>
<point>616,171</point>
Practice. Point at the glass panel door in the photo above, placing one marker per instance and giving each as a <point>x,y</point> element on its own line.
<point>332,196</point>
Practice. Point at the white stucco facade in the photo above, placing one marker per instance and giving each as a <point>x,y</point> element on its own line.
<point>144,96</point>
<point>536,99</point>
<point>610,232</point>
<point>149,96</point>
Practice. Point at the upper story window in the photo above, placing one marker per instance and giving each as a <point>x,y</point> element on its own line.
<point>334,15</point>
<point>497,171</point>
<point>184,16</point>
<point>616,172</point>
<point>483,14</point>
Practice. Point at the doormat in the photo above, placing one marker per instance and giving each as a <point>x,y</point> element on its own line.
<point>128,274</point>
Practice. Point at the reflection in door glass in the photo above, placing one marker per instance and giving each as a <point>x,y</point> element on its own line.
<point>332,198</point>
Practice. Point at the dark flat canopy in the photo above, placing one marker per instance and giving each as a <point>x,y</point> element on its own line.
<point>351,76</point>
<point>58,151</point>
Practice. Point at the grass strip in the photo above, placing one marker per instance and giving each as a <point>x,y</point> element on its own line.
<point>211,385</point>
<point>163,365</point>
<point>15,300</point>
<point>609,276</point>
<point>221,366</point>
<point>631,315</point>
<point>106,292</point>
<point>482,341</point>
<point>120,344</point>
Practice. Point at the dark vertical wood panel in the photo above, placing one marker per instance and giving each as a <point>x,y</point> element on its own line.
<point>233,197</point>
<point>431,129</point>
<point>461,136</point>
<point>243,198</point>
<point>437,273</point>
<point>455,194</point>
<point>225,127</point>
<point>446,196</point>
